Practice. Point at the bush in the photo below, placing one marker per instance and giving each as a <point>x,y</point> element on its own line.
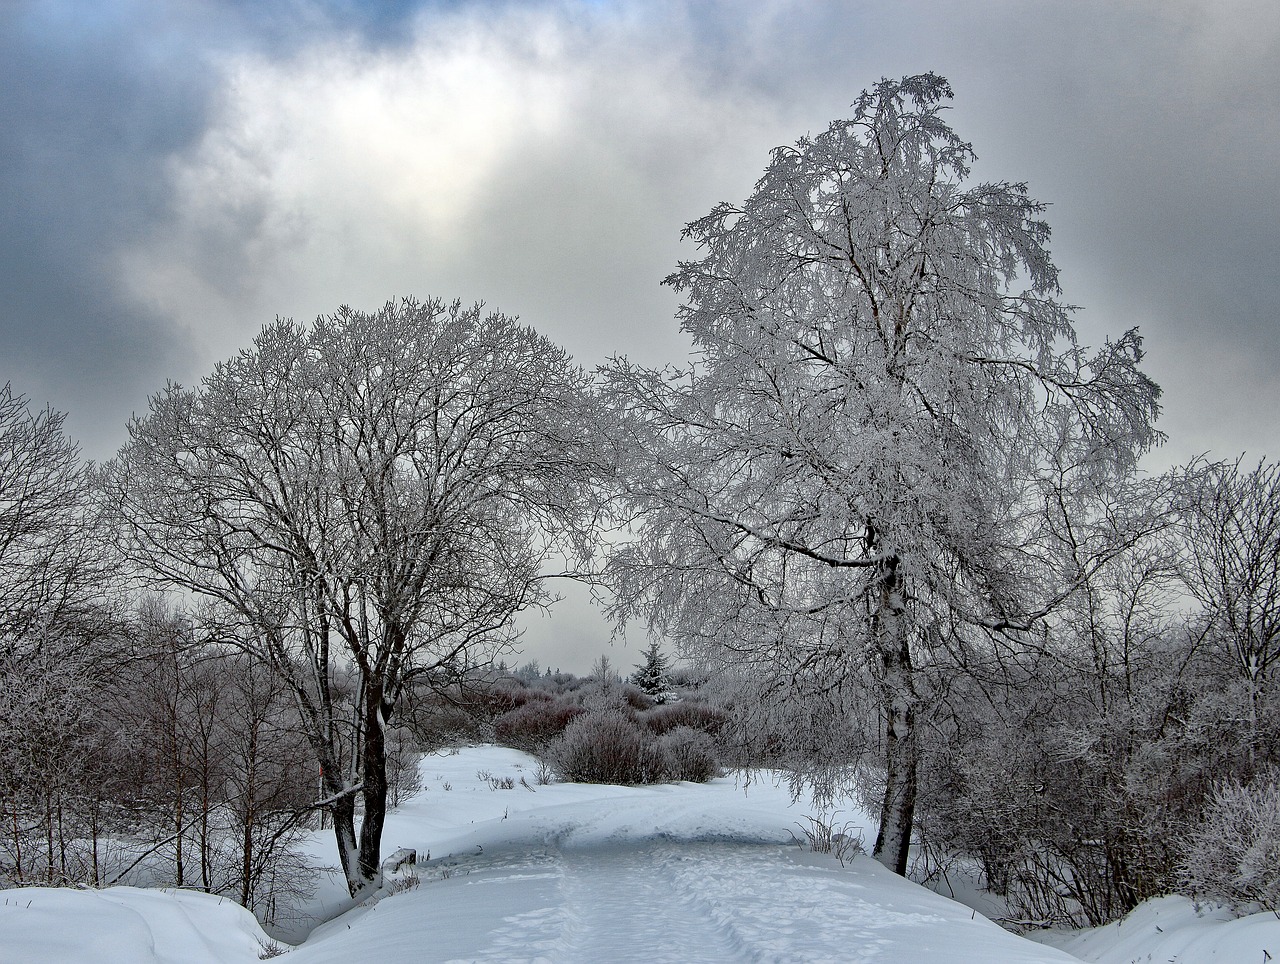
<point>689,754</point>
<point>1233,856</point>
<point>534,724</point>
<point>635,697</point>
<point>510,695</point>
<point>689,713</point>
<point>607,746</point>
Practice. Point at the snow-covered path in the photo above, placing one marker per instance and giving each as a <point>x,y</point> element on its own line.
<point>572,873</point>
<point>669,901</point>
<point>604,888</point>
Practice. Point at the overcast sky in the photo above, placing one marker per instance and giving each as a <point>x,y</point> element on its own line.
<point>175,174</point>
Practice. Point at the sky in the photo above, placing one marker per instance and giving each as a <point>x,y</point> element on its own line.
<point>176,173</point>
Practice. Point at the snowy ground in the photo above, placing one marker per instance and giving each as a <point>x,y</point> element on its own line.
<point>1173,929</point>
<point>580,873</point>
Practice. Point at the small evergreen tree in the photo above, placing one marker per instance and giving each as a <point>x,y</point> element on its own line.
<point>651,675</point>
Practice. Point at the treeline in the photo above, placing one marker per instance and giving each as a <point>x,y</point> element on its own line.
<point>1125,749</point>
<point>1132,749</point>
<point>144,755</point>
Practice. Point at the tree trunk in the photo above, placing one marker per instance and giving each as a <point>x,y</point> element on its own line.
<point>374,767</point>
<point>897,811</point>
<point>344,830</point>
<point>246,859</point>
<point>93,839</point>
<point>334,785</point>
<point>48,832</point>
<point>17,842</point>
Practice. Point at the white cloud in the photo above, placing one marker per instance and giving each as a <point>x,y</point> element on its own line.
<point>543,157</point>
<point>539,162</point>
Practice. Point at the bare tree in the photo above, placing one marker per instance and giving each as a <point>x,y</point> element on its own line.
<point>55,628</point>
<point>884,385</point>
<point>1233,549</point>
<point>1067,763</point>
<point>376,494</point>
<point>51,565</point>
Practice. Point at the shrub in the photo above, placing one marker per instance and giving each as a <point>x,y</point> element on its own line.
<point>636,698</point>
<point>607,746</point>
<point>691,713</point>
<point>511,695</point>
<point>532,725</point>
<point>1233,856</point>
<point>689,754</point>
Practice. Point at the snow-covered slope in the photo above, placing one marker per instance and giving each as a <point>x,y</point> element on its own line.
<point>127,925</point>
<point>1172,929</point>
<point>558,873</point>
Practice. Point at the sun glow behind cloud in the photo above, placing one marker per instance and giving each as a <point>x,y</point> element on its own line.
<point>531,160</point>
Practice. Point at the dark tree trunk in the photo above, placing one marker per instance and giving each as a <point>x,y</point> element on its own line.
<point>344,829</point>
<point>374,767</point>
<point>898,695</point>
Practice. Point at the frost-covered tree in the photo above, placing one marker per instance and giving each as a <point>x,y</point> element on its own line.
<point>1233,855</point>
<point>52,570</point>
<point>651,674</point>
<point>885,393</point>
<point>1233,549</point>
<point>56,634</point>
<point>365,503</point>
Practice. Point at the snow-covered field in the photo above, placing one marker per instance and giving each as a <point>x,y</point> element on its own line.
<point>570,872</point>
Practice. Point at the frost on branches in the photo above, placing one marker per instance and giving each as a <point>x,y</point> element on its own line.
<point>374,496</point>
<point>885,388</point>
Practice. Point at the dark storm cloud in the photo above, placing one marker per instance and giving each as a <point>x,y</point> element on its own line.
<point>91,107</point>
<point>1155,131</point>
<point>95,98</point>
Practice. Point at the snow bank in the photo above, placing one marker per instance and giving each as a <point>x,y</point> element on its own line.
<point>513,871</point>
<point>1172,931</point>
<point>125,924</point>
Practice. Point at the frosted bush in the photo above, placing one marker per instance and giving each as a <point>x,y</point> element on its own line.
<point>534,724</point>
<point>690,713</point>
<point>1233,856</point>
<point>607,746</point>
<point>690,754</point>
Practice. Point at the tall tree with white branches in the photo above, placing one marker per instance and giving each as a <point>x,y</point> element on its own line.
<point>373,497</point>
<point>885,392</point>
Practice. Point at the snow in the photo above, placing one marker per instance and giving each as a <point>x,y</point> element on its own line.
<point>673,872</point>
<point>124,924</point>
<point>569,872</point>
<point>1172,929</point>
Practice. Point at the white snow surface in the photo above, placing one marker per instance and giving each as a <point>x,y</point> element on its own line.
<point>1172,929</point>
<point>124,924</point>
<point>674,872</point>
<point>570,872</point>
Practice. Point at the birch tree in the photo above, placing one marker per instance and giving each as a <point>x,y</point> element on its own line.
<point>376,495</point>
<point>884,389</point>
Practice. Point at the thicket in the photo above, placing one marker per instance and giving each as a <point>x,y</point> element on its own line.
<point>170,763</point>
<point>603,729</point>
